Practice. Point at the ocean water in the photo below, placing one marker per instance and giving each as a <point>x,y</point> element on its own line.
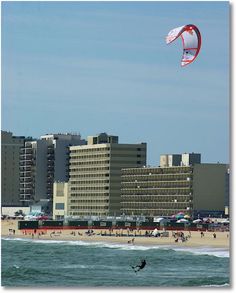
<point>49,263</point>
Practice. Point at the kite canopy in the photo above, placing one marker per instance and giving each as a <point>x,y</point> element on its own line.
<point>191,39</point>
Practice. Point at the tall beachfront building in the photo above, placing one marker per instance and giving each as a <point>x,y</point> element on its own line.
<point>95,174</point>
<point>42,162</point>
<point>196,189</point>
<point>10,176</point>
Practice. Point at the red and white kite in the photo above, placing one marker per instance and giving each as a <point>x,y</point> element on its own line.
<point>191,39</point>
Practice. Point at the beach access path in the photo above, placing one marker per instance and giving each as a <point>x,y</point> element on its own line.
<point>9,228</point>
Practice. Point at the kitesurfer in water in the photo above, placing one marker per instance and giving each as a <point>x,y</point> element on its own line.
<point>140,267</point>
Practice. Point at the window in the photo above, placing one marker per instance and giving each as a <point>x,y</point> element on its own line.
<point>60,206</point>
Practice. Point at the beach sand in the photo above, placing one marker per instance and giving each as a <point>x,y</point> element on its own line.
<point>222,238</point>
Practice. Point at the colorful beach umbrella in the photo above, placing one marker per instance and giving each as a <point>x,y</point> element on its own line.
<point>179,216</point>
<point>182,221</point>
<point>187,217</point>
<point>197,221</point>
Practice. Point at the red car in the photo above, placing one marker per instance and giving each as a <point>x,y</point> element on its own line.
<point>42,217</point>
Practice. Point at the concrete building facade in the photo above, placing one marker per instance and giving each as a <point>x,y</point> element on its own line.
<point>10,176</point>
<point>60,200</point>
<point>185,159</point>
<point>199,189</point>
<point>95,175</point>
<point>42,162</point>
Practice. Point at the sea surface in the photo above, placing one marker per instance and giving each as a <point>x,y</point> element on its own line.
<point>49,263</point>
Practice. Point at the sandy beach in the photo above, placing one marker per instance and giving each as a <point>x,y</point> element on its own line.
<point>9,228</point>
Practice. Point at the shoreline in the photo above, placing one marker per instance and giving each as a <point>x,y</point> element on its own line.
<point>9,229</point>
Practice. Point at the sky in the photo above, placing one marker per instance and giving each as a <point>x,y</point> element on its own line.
<point>92,67</point>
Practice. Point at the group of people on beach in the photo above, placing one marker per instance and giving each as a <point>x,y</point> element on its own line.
<point>180,236</point>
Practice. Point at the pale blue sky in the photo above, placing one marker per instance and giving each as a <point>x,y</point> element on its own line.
<point>94,67</point>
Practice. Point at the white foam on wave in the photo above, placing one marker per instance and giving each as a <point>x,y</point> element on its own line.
<point>223,285</point>
<point>218,252</point>
<point>86,243</point>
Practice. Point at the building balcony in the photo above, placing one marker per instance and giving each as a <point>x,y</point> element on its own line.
<point>25,174</point>
<point>50,151</point>
<point>26,150</point>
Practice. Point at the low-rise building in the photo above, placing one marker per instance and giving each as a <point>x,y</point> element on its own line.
<point>60,200</point>
<point>198,189</point>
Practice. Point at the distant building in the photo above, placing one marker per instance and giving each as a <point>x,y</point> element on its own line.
<point>60,200</point>
<point>210,189</point>
<point>197,190</point>
<point>10,176</point>
<point>95,174</point>
<point>42,162</point>
<point>185,159</point>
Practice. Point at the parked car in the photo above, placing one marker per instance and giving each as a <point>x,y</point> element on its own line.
<point>35,216</point>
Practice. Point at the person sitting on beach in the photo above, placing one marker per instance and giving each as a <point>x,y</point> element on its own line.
<point>139,267</point>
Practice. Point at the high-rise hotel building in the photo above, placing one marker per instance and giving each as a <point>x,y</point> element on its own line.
<point>95,174</point>
<point>10,176</point>
<point>181,183</point>
<point>42,162</point>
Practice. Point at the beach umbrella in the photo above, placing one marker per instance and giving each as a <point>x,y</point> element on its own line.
<point>187,217</point>
<point>197,221</point>
<point>159,220</point>
<point>179,216</point>
<point>225,222</point>
<point>182,221</point>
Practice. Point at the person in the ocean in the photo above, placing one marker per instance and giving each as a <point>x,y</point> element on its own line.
<point>140,267</point>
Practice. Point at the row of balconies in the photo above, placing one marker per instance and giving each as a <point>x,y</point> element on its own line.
<point>26,180</point>
<point>29,184</point>
<point>86,193</point>
<point>86,152</point>
<point>151,212</point>
<point>26,193</point>
<point>157,198</point>
<point>89,198</point>
<point>92,181</point>
<point>155,192</point>
<point>91,187</point>
<point>25,174</point>
<point>144,205</point>
<point>159,171</point>
<point>100,213</point>
<point>88,207</point>
<point>26,150</point>
<point>89,201</point>
<point>155,177</point>
<point>140,190</point>
<point>99,165</point>
<point>28,188</point>
<point>156,184</point>
<point>88,160</point>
